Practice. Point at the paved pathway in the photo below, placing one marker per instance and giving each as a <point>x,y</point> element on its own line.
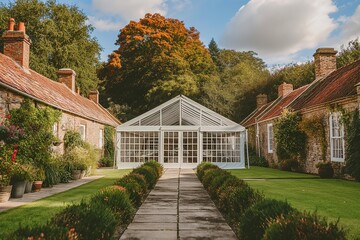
<point>45,192</point>
<point>178,208</point>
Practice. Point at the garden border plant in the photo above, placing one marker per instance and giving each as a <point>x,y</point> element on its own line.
<point>106,214</point>
<point>251,216</point>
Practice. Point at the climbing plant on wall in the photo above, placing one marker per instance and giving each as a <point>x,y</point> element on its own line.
<point>352,145</point>
<point>290,139</point>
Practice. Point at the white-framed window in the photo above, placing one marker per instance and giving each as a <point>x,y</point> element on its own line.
<point>270,137</point>
<point>82,131</point>
<point>101,138</point>
<point>337,143</point>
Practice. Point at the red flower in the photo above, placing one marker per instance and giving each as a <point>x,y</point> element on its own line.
<point>16,146</point>
<point>8,116</point>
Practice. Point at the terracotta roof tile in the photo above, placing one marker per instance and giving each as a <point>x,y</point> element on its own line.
<point>282,103</point>
<point>339,84</point>
<point>51,92</point>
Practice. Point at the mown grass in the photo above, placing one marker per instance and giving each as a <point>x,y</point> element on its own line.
<point>39,212</point>
<point>331,198</point>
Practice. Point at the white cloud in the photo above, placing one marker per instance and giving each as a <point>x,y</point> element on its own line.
<point>279,28</point>
<point>349,29</point>
<point>104,25</point>
<point>130,9</point>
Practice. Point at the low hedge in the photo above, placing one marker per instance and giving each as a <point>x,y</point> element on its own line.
<point>98,217</point>
<point>253,217</point>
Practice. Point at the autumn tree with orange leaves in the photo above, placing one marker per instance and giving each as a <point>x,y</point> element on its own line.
<point>157,59</point>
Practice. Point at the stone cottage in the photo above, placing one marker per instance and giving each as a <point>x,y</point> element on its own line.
<point>18,81</point>
<point>332,92</point>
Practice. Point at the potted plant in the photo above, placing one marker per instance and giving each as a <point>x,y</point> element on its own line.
<point>38,179</point>
<point>31,175</point>
<point>18,180</point>
<point>5,178</point>
<point>325,169</point>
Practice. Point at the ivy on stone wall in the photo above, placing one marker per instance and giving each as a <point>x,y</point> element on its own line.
<point>315,128</point>
<point>290,139</point>
<point>353,145</point>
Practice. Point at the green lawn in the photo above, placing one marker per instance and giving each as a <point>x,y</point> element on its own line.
<point>332,198</point>
<point>39,212</point>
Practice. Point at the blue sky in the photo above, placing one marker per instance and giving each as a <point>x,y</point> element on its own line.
<point>280,31</point>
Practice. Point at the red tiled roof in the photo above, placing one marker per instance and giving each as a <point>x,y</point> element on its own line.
<point>282,103</point>
<point>339,84</point>
<point>250,120</point>
<point>51,92</point>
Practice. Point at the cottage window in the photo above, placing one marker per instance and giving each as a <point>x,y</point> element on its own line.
<point>82,131</point>
<point>270,138</point>
<point>337,143</point>
<point>101,138</point>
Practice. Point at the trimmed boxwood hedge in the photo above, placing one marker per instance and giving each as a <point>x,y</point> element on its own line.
<point>98,217</point>
<point>253,217</point>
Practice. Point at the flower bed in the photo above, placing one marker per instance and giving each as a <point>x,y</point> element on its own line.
<point>251,216</point>
<point>106,213</point>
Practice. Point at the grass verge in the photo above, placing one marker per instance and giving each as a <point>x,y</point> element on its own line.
<point>39,212</point>
<point>331,198</point>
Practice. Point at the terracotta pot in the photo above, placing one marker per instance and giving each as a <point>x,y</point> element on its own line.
<point>5,192</point>
<point>37,185</point>
<point>28,186</point>
<point>18,189</point>
<point>76,174</point>
<point>326,171</point>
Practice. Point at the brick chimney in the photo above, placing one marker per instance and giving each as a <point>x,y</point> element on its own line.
<point>261,100</point>
<point>325,61</point>
<point>94,96</point>
<point>67,76</point>
<point>17,43</point>
<point>284,89</point>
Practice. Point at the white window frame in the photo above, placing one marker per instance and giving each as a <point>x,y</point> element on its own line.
<point>83,136</point>
<point>270,138</point>
<point>101,138</point>
<point>333,138</point>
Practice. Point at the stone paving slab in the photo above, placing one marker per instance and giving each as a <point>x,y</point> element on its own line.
<point>45,192</point>
<point>178,208</point>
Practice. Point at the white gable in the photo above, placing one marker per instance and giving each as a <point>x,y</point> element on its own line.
<point>181,111</point>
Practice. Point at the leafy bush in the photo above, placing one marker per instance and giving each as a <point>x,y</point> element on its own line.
<point>216,183</point>
<point>352,146</point>
<point>106,162</point>
<point>258,161</point>
<point>48,232</point>
<point>202,167</point>
<point>90,220</point>
<point>135,186</point>
<point>52,172</point>
<point>298,226</point>
<point>81,158</point>
<point>72,139</point>
<point>159,168</point>
<point>149,174</point>
<point>109,146</point>
<point>256,219</point>
<point>210,174</point>
<point>117,199</point>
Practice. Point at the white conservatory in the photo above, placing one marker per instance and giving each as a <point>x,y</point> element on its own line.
<point>181,133</point>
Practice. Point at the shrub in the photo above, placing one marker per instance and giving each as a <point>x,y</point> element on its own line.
<point>216,183</point>
<point>135,186</point>
<point>256,219</point>
<point>201,168</point>
<point>300,226</point>
<point>48,232</point>
<point>258,161</point>
<point>210,174</point>
<point>106,162</point>
<point>117,199</point>
<point>72,139</point>
<point>149,174</point>
<point>90,220</point>
<point>352,148</point>
<point>154,164</point>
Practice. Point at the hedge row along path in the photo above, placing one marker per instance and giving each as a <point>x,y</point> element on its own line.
<point>178,208</point>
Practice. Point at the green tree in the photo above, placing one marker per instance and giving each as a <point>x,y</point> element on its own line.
<point>60,39</point>
<point>158,58</point>
<point>215,55</point>
<point>352,146</point>
<point>349,54</point>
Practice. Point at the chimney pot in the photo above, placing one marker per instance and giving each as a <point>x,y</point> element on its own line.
<point>21,27</point>
<point>94,96</point>
<point>284,89</point>
<point>261,100</point>
<point>67,76</point>
<point>325,61</point>
<point>11,24</point>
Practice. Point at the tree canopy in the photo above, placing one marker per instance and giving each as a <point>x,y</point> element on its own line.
<point>60,39</point>
<point>349,54</point>
<point>157,59</point>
